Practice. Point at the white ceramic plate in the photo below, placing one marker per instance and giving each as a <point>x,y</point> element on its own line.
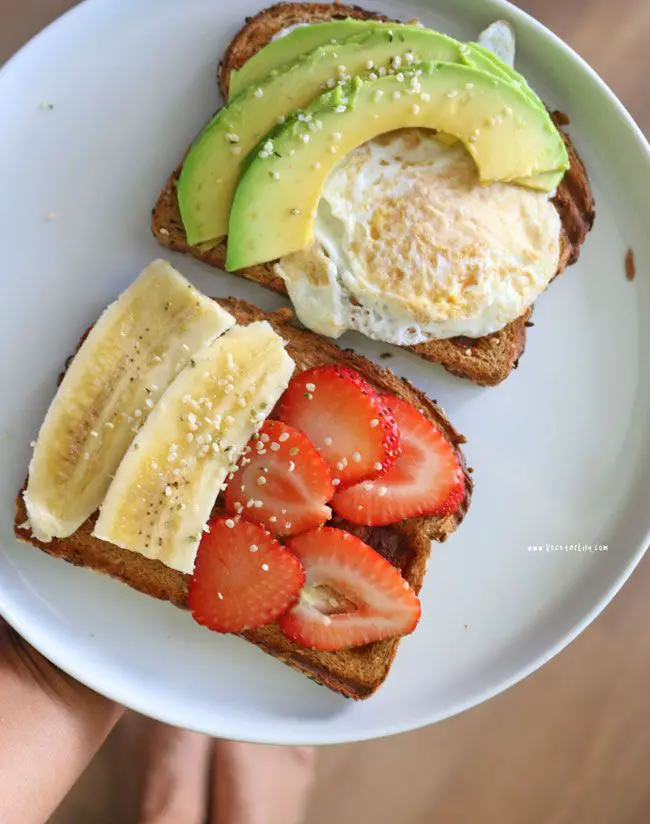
<point>560,449</point>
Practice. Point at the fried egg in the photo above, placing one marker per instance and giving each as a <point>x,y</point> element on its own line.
<point>409,246</point>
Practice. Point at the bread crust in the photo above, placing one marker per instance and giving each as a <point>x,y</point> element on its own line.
<point>355,673</point>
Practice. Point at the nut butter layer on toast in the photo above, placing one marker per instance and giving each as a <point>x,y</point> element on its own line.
<point>487,360</point>
<point>355,673</point>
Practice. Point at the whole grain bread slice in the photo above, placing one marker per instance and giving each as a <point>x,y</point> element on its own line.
<point>487,360</point>
<point>356,673</point>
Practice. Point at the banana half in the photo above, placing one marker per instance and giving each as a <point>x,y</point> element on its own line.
<point>166,486</point>
<point>135,350</point>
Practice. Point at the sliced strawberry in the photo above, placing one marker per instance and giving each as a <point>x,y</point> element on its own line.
<point>243,578</point>
<point>352,595</point>
<point>346,419</point>
<point>426,479</point>
<point>282,482</point>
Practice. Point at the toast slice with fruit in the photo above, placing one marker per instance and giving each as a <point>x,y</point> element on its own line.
<point>486,360</point>
<point>330,641</point>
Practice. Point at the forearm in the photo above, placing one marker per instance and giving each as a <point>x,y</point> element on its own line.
<point>50,728</point>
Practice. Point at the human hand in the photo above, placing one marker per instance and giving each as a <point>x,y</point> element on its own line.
<point>50,727</point>
<point>29,666</point>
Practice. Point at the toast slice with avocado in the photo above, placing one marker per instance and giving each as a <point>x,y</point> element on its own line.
<point>486,360</point>
<point>356,672</point>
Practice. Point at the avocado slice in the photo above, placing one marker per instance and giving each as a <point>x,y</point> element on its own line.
<point>212,167</point>
<point>482,53</point>
<point>276,201</point>
<point>287,49</point>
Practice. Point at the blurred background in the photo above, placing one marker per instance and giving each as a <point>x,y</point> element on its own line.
<point>571,744</point>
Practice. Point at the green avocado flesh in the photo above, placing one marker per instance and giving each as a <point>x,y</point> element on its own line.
<point>213,166</point>
<point>276,200</point>
<point>296,43</point>
<point>503,70</point>
<point>288,48</point>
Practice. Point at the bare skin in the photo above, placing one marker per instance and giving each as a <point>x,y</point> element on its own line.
<point>51,726</point>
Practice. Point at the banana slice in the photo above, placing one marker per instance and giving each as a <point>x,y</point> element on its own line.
<point>166,486</point>
<point>134,351</point>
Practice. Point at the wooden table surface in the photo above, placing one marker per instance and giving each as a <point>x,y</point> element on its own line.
<point>571,744</point>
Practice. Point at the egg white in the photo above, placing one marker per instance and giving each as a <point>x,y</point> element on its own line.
<point>409,247</point>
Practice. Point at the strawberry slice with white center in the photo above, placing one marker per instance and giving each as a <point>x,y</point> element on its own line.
<point>352,595</point>
<point>346,419</point>
<point>427,478</point>
<point>243,577</point>
<point>282,482</point>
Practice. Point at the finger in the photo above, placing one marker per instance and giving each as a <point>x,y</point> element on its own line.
<point>172,768</point>
<point>255,784</point>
